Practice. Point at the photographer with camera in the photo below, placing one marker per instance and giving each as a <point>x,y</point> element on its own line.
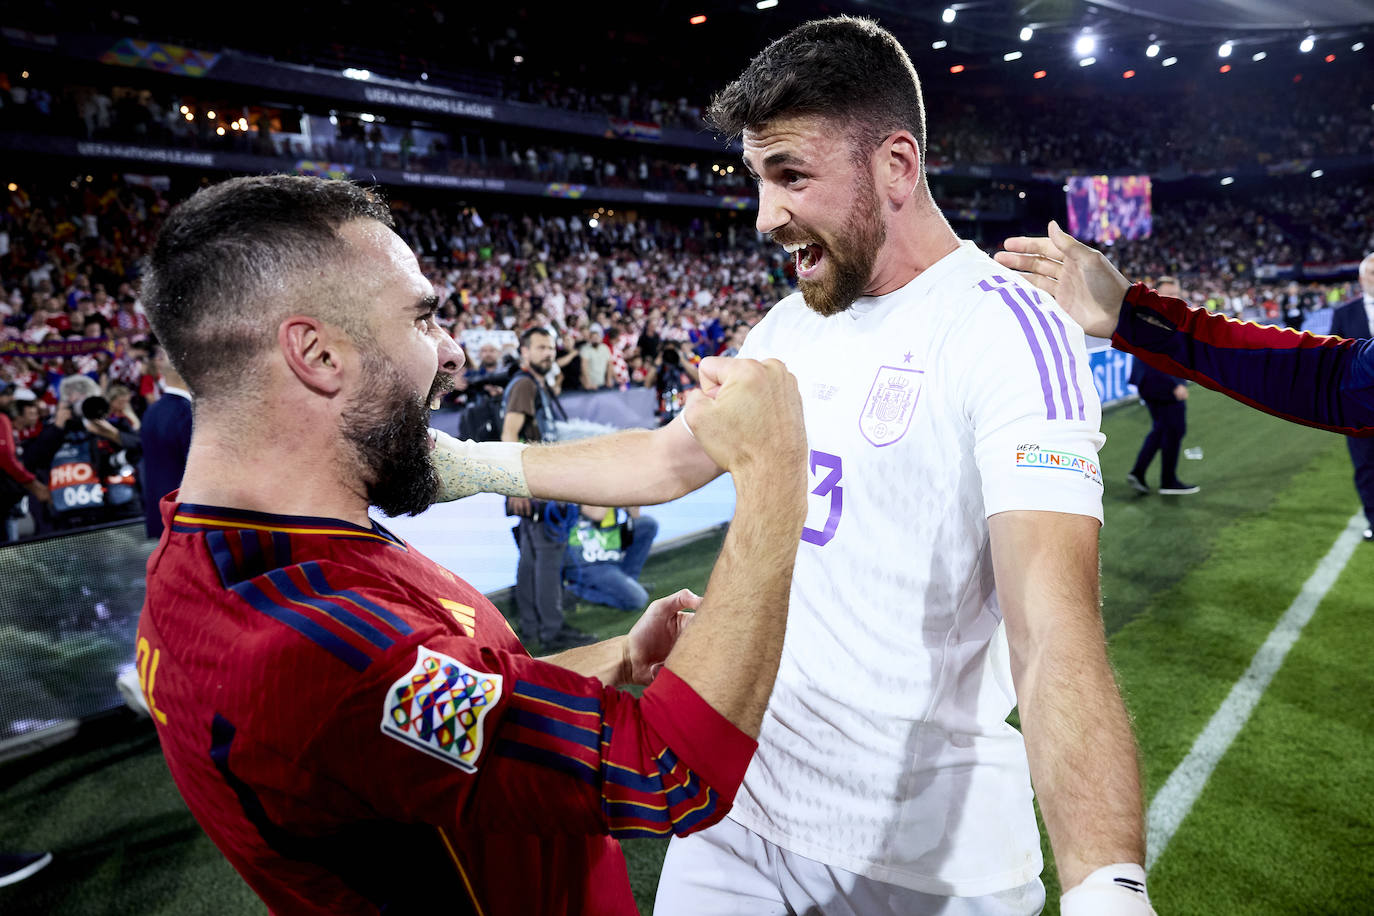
<point>91,470</point>
<point>542,535</point>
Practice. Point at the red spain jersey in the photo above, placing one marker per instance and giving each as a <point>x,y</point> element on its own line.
<point>359,730</point>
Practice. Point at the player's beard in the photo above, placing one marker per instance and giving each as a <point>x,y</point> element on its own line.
<point>851,253</point>
<point>388,427</point>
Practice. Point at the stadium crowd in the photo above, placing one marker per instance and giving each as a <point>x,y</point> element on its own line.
<point>630,302</point>
<point>1197,134</point>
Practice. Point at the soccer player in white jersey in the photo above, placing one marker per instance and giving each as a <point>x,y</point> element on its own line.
<point>949,567</point>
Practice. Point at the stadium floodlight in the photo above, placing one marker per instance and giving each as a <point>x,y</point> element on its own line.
<point>765,4</point>
<point>1224,50</point>
<point>1152,51</point>
<point>1085,45</point>
<point>210,114</point>
<point>1011,56</point>
<point>354,73</point>
<point>1228,180</point>
<point>1308,44</point>
<point>1259,56</point>
<point>1170,61</point>
<point>369,118</point>
<point>424,76</point>
<point>518,59</point>
<point>1021,195</point>
<point>1087,62</point>
<point>1357,46</point>
<point>1026,33</point>
<point>593,222</point>
<point>937,45</point>
<point>948,15</point>
<point>696,20</point>
<point>1317,173</point>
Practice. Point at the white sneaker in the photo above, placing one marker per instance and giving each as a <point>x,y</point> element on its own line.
<point>1137,484</point>
<point>132,691</point>
<point>1179,489</point>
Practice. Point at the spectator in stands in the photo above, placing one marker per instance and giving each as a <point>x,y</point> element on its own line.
<point>736,339</point>
<point>596,362</point>
<point>16,481</point>
<point>166,440</point>
<point>542,533</point>
<point>605,555</point>
<point>1356,320</point>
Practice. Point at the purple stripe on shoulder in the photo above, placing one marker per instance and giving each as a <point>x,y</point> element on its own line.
<point>1050,412</point>
<point>1073,363</point>
<point>1054,349</point>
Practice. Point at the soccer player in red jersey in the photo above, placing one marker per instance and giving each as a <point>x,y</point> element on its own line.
<point>356,728</point>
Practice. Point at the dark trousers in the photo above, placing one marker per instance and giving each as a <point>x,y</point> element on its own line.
<point>1362,455</point>
<point>539,581</point>
<point>1165,437</point>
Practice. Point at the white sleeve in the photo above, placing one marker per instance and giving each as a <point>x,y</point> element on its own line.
<point>1034,410</point>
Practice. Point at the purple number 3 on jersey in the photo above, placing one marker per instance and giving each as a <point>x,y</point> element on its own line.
<point>829,485</point>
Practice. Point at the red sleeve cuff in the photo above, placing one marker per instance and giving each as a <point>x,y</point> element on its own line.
<point>702,738</point>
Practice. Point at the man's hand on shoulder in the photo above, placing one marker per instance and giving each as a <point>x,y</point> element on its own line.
<point>1080,278</point>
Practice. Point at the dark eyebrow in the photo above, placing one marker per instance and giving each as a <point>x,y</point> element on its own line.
<point>778,159</point>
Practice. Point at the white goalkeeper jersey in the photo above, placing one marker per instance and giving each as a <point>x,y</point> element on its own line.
<point>885,749</point>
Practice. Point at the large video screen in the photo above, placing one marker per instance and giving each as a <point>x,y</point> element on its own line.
<point>69,609</point>
<point>1104,208</point>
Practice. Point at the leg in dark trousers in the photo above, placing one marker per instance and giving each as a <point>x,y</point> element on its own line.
<point>539,582</point>
<point>1165,436</point>
<point>1362,456</point>
<point>1174,424</point>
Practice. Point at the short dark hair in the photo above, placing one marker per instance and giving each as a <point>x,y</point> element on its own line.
<point>215,278</point>
<point>530,332</point>
<point>846,69</point>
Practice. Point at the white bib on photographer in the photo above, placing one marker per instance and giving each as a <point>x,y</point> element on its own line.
<point>885,749</point>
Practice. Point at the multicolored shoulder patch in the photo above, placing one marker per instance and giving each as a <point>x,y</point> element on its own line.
<point>438,706</point>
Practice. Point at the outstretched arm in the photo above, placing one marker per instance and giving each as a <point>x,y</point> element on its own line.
<point>1078,736</point>
<point>1326,382</point>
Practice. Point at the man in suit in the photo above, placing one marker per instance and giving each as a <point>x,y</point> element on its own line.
<point>1355,319</point>
<point>166,435</point>
<point>1167,399</point>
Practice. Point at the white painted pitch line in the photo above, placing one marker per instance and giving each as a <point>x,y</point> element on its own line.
<point>1175,798</point>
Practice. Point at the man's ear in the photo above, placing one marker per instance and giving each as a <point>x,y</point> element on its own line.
<point>900,167</point>
<point>314,351</point>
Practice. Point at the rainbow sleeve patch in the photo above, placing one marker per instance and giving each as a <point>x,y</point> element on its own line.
<point>1049,459</point>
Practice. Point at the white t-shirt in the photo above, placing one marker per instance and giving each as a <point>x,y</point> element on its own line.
<point>885,749</point>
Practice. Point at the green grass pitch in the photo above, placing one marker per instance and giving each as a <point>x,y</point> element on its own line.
<point>1191,588</point>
